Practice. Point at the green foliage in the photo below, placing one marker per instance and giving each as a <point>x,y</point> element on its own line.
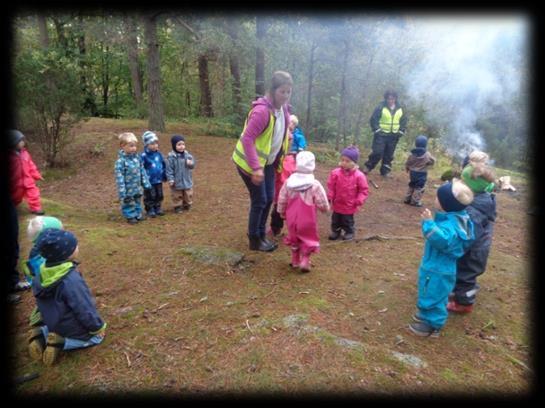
<point>48,98</point>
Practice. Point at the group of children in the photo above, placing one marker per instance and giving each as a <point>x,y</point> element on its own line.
<point>457,237</point>
<point>144,174</point>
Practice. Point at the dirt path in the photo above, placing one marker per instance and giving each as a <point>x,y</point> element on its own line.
<point>178,324</point>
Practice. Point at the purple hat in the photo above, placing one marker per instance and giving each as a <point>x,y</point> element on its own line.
<point>352,153</point>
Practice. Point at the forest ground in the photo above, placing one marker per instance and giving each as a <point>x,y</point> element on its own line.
<point>185,319</point>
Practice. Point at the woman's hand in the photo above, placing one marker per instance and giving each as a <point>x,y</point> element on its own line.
<point>258,176</point>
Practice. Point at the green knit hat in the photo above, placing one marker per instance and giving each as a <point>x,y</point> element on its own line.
<point>477,185</point>
<point>38,224</point>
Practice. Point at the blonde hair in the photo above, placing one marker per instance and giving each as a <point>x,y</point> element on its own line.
<point>461,192</point>
<point>127,137</point>
<point>294,119</point>
<point>479,160</point>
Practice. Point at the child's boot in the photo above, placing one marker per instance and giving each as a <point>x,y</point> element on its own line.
<point>178,209</point>
<point>55,344</point>
<point>132,221</point>
<point>158,211</point>
<point>36,343</point>
<point>295,258</point>
<point>423,329</point>
<point>454,307</point>
<point>304,265</point>
<point>348,236</point>
<point>151,213</point>
<point>334,235</point>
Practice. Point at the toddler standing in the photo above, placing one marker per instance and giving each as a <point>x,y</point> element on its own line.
<point>24,174</point>
<point>179,171</point>
<point>347,190</point>
<point>417,165</point>
<point>447,235</point>
<point>298,200</point>
<point>131,178</point>
<point>155,166</point>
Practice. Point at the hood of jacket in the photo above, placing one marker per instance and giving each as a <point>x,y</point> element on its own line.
<point>300,181</point>
<point>419,151</point>
<point>461,220</point>
<point>49,277</point>
<point>485,203</point>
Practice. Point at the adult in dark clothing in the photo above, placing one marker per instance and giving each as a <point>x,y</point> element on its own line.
<point>388,123</point>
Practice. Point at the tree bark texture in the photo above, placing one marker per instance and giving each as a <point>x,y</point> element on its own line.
<point>156,117</point>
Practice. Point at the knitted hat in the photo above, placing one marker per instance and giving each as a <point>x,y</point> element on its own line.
<point>421,141</point>
<point>39,224</point>
<point>149,137</point>
<point>454,196</point>
<point>56,246</point>
<point>175,139</point>
<point>14,137</point>
<point>352,153</point>
<point>305,162</point>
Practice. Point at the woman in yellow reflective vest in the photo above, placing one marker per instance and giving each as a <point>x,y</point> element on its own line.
<point>388,123</point>
<point>259,153</point>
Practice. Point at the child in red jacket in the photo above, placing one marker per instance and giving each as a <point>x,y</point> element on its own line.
<point>24,174</point>
<point>347,190</point>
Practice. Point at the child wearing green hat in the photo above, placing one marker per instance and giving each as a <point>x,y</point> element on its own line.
<point>482,211</point>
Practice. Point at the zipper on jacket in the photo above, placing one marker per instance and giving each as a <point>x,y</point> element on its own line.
<point>426,284</point>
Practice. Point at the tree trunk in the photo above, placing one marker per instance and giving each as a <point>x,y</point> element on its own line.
<point>105,79</point>
<point>156,119</point>
<point>89,105</point>
<point>234,65</point>
<point>44,35</point>
<point>134,64</point>
<point>261,30</point>
<point>310,80</point>
<point>341,121</point>
<point>206,96</point>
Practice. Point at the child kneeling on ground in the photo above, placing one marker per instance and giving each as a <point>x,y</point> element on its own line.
<point>69,316</point>
<point>298,200</point>
<point>447,236</point>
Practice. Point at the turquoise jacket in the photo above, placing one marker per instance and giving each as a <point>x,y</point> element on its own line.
<point>447,236</point>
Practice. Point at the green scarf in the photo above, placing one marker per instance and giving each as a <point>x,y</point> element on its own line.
<point>477,185</point>
<point>50,275</point>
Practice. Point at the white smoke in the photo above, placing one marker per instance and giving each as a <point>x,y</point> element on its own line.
<point>467,64</point>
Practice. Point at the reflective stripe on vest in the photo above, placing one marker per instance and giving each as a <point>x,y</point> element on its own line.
<point>262,145</point>
<point>389,124</point>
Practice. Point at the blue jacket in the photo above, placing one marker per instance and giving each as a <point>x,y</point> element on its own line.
<point>130,175</point>
<point>65,302</point>
<point>447,236</point>
<point>155,166</point>
<point>298,142</point>
<point>179,171</point>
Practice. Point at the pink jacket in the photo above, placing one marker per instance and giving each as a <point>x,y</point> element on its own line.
<point>288,168</point>
<point>313,195</point>
<point>347,190</point>
<point>24,172</point>
<point>257,123</point>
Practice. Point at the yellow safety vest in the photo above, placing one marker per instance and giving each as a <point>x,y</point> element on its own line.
<point>262,145</point>
<point>389,123</point>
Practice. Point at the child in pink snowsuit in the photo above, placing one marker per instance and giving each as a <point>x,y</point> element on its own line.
<point>288,168</point>
<point>347,190</point>
<point>298,200</point>
<point>24,174</point>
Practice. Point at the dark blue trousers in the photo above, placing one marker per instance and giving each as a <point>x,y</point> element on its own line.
<point>261,198</point>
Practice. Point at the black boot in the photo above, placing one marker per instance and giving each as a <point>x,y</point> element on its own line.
<point>334,235</point>
<point>267,241</point>
<point>256,244</point>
